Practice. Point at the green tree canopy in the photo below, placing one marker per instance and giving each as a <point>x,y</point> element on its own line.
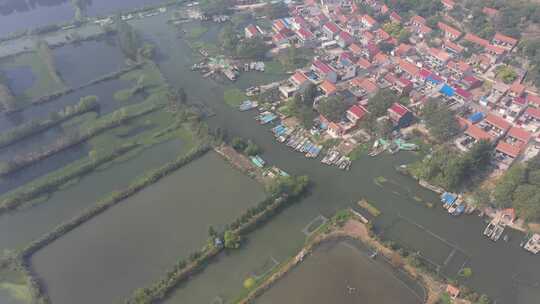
<point>333,108</point>
<point>440,120</point>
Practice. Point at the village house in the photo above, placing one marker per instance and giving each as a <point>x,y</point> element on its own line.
<point>327,88</point>
<point>504,41</point>
<point>495,125</point>
<point>490,12</point>
<point>330,30</point>
<point>368,21</point>
<point>344,39</point>
<point>355,49</point>
<point>296,83</point>
<point>417,21</point>
<point>460,69</point>
<point>448,4</point>
<point>305,37</point>
<point>363,63</point>
<point>408,68</point>
<point>252,31</point>
<point>363,88</point>
<point>394,17</point>
<point>531,119</point>
<point>471,82</point>
<point>355,113</point>
<point>400,115</point>
<point>495,51</point>
<point>370,51</point>
<point>453,47</point>
<point>452,291</point>
<point>472,135</point>
<point>517,89</point>
<point>324,71</point>
<point>438,57</point>
<point>449,32</point>
<point>280,39</point>
<point>279,25</point>
<point>511,146</point>
<point>404,50</point>
<point>472,38</point>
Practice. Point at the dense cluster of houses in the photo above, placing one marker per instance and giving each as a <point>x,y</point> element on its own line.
<point>354,61</point>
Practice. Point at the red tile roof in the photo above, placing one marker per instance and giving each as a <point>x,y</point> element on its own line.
<point>475,39</point>
<point>322,67</point>
<point>403,49</point>
<point>517,88</point>
<point>299,77</point>
<point>490,11</point>
<point>305,34</point>
<point>477,133</point>
<point>520,134</point>
<point>328,87</point>
<point>398,109</point>
<point>418,20</point>
<point>345,36</point>
<point>364,83</point>
<point>533,112</point>
<point>367,19</point>
<point>408,67</point>
<point>252,29</point>
<point>357,111</point>
<point>332,27</point>
<point>498,122</point>
<point>355,48</point>
<point>508,149</point>
<point>381,34</point>
<point>463,93</point>
<point>506,39</point>
<point>495,49</point>
<point>448,29</point>
<point>453,46</point>
<point>533,100</point>
<point>448,3</point>
<point>363,63</point>
<point>395,17</point>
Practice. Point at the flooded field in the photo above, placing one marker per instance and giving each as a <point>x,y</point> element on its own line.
<point>19,228</point>
<point>78,64</point>
<point>18,15</point>
<point>105,7</point>
<point>341,273</point>
<point>103,260</point>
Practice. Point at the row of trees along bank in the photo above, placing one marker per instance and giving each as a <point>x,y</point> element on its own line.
<point>85,104</point>
<point>33,190</point>
<point>110,121</point>
<point>37,288</point>
<point>284,191</point>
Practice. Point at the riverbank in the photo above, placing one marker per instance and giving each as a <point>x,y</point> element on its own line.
<point>346,225</point>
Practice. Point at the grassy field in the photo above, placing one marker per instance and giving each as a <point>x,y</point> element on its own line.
<point>44,85</point>
<point>234,97</point>
<point>14,284</point>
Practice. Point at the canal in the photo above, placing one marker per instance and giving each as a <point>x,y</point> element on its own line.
<point>497,267</point>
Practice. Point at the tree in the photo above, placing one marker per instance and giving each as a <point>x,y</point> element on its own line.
<point>251,148</point>
<point>288,185</point>
<point>506,74</point>
<point>128,39</point>
<point>309,94</point>
<point>212,232</point>
<point>276,10</point>
<point>466,272</point>
<point>380,102</point>
<point>227,38</point>
<point>231,240</point>
<point>507,185</point>
<point>384,128</point>
<point>238,144</point>
<point>440,120</point>
<point>249,283</point>
<point>254,48</point>
<point>214,7</point>
<point>333,108</point>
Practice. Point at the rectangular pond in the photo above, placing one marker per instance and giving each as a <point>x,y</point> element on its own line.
<point>18,15</point>
<point>341,272</point>
<point>21,227</point>
<point>82,62</point>
<point>106,7</point>
<point>135,242</point>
